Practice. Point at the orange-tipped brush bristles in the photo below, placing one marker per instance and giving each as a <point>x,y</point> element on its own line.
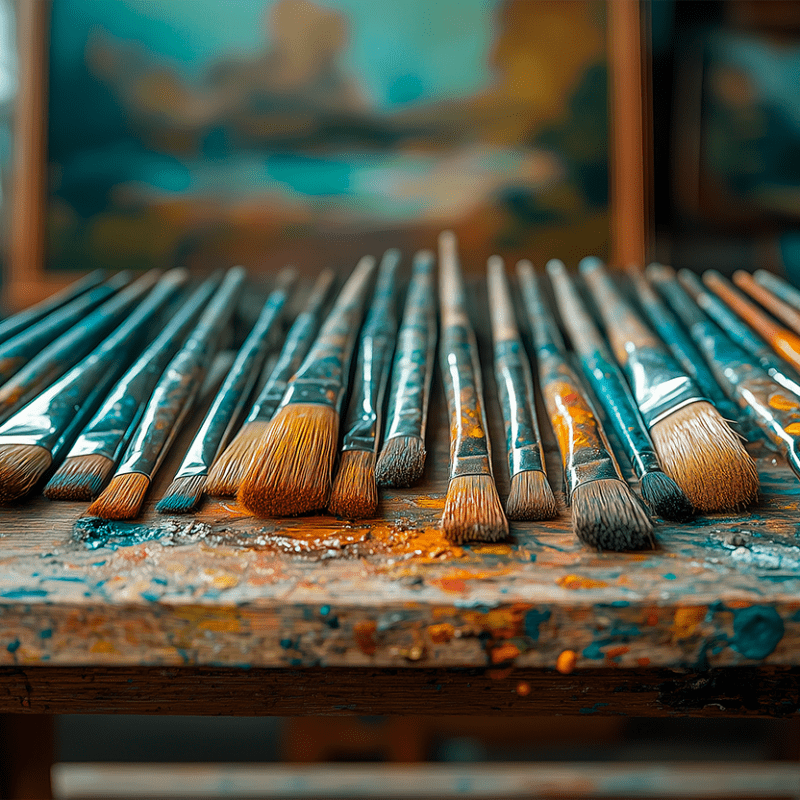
<point>228,471</point>
<point>354,494</point>
<point>122,498</point>
<point>21,466</point>
<point>472,511</point>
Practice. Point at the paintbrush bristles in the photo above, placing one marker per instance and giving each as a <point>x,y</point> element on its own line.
<point>79,478</point>
<point>183,496</point>
<point>401,462</point>
<point>607,516</point>
<point>531,497</point>
<point>291,473</point>
<point>701,453</point>
<point>228,471</point>
<point>354,494</point>
<point>472,511</point>
<point>21,466</point>
<point>122,498</point>
<point>665,497</point>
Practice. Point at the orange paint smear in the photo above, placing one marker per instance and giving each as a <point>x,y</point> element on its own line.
<point>506,652</point>
<point>616,652</point>
<point>783,403</point>
<point>441,633</point>
<point>364,634</point>
<point>687,619</point>
<point>579,582</point>
<point>566,661</point>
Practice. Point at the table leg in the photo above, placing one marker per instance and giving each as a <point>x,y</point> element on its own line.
<point>26,756</point>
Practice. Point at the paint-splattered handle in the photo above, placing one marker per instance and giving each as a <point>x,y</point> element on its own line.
<point>414,357</point>
<point>322,378</point>
<point>469,440</point>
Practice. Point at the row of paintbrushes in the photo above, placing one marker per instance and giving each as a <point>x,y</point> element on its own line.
<point>81,395</point>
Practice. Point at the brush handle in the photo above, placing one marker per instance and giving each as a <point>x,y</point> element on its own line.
<point>513,377</point>
<point>44,420</point>
<point>16,351</point>
<point>414,358</point>
<point>226,407</point>
<point>295,348</point>
<point>779,287</point>
<point>660,386</point>
<point>374,358</point>
<point>108,431</point>
<point>541,319</point>
<point>71,346</point>
<point>16,323</point>
<point>783,311</point>
<point>780,339</point>
<point>669,328</point>
<point>323,376</point>
<point>738,331</point>
<point>177,388</point>
<point>470,452</point>
<point>604,375</point>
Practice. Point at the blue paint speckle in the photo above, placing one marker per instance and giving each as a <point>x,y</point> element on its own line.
<point>286,644</point>
<point>325,610</point>
<point>670,576</point>
<point>14,594</point>
<point>595,707</point>
<point>12,647</point>
<point>532,557</point>
<point>533,619</point>
<point>593,651</point>
<point>46,633</point>
<point>756,631</point>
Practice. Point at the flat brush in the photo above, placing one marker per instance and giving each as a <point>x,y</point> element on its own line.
<point>777,307</point>
<point>695,446</point>
<point>530,496</point>
<point>401,461</point>
<point>37,434</point>
<point>172,399</point>
<point>230,467</point>
<point>102,442</point>
<point>659,491</point>
<point>775,411</point>
<point>605,513</point>
<point>472,509</point>
<point>291,471</point>
<point>783,341</point>
<point>19,349</point>
<point>63,353</point>
<point>354,492</point>
<point>665,280</point>
<point>672,333</point>
<point>17,323</point>
<point>186,490</point>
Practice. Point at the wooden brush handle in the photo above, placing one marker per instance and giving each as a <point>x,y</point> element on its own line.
<point>323,376</point>
<point>783,341</point>
<point>776,306</point>
<point>414,358</point>
<point>603,373</point>
<point>374,357</point>
<point>295,348</point>
<point>513,377</point>
<point>452,294</point>
<point>779,287</point>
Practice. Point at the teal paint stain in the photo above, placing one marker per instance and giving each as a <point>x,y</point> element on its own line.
<point>15,594</point>
<point>286,644</point>
<point>12,647</point>
<point>325,610</point>
<point>99,563</point>
<point>593,651</point>
<point>669,576</point>
<point>756,631</point>
<point>94,533</point>
<point>533,619</point>
<point>150,597</point>
<point>532,557</point>
<point>160,581</point>
<point>595,707</point>
<point>47,633</point>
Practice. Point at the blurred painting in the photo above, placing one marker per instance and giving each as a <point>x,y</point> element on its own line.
<point>265,132</point>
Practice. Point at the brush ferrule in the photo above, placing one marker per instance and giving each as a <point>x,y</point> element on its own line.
<point>323,392</point>
<point>586,467</point>
<point>463,465</point>
<point>528,458</point>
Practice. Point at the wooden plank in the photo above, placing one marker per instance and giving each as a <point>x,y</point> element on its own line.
<point>725,692</point>
<point>543,780</point>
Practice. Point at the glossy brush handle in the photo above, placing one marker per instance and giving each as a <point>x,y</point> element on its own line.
<point>513,377</point>
<point>412,369</point>
<point>783,311</point>
<point>540,317</point>
<point>295,348</point>
<point>604,374</point>
<point>224,412</point>
<point>323,376</point>
<point>779,287</point>
<point>375,349</point>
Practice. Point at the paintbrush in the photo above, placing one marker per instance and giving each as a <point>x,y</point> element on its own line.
<point>673,335</point>
<point>605,513</point>
<point>401,461</point>
<point>472,508</point>
<point>659,491</point>
<point>666,281</point>
<point>19,349</point>
<point>166,410</point>
<point>101,443</point>
<point>695,446</point>
<point>779,287</point>
<point>530,496</point>
<point>783,341</point>
<point>775,411</point>
<point>62,354</point>
<point>17,323</point>
<point>37,435</point>
<point>291,471</point>
<point>354,492</point>
<point>186,490</point>
<point>229,468</point>
<point>777,307</point>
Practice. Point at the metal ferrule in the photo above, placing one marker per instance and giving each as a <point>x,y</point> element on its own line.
<point>515,392</point>
<point>587,466</point>
<point>659,389</point>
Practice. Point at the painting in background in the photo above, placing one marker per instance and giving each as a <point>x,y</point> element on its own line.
<point>264,132</point>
